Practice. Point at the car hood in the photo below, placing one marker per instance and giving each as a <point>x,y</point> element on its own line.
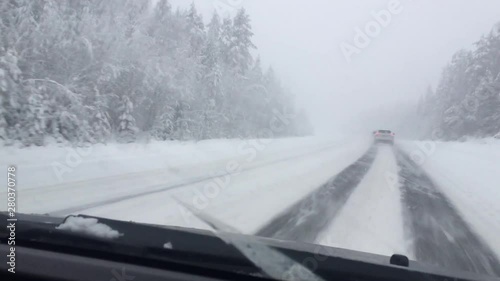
<point>322,260</point>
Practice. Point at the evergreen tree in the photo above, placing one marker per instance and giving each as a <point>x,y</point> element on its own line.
<point>34,112</point>
<point>466,102</point>
<point>101,127</point>
<point>164,126</point>
<point>3,122</point>
<point>196,30</point>
<point>212,79</point>
<point>241,43</point>
<point>127,128</point>
<point>64,67</point>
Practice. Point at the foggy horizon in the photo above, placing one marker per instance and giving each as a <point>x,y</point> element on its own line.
<point>302,42</point>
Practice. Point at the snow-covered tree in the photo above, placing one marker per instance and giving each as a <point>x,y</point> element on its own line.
<point>226,41</point>
<point>127,129</point>
<point>69,71</point>
<point>3,121</point>
<point>35,115</point>
<point>164,126</point>
<point>466,102</point>
<point>196,30</point>
<point>101,127</point>
<point>11,93</point>
<point>241,44</point>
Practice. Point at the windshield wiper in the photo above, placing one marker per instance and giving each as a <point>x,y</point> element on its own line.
<point>275,264</point>
<point>174,248</point>
<point>220,254</point>
<point>227,250</point>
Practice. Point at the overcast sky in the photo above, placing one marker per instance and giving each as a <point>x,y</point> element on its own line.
<point>302,40</point>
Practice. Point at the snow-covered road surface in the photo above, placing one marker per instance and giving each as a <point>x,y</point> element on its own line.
<point>438,233</point>
<point>244,200</point>
<point>341,193</point>
<point>468,174</point>
<point>373,213</point>
<point>304,220</point>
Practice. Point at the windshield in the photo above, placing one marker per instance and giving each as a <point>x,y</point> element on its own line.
<point>264,115</point>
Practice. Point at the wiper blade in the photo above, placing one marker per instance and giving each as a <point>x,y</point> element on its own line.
<point>272,262</point>
<point>191,249</point>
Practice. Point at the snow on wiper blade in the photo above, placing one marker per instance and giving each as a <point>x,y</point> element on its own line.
<point>275,264</point>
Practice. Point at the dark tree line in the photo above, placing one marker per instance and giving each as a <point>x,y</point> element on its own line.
<point>92,71</point>
<point>466,102</point>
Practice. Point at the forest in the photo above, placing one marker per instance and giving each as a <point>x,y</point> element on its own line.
<point>466,101</point>
<point>93,71</point>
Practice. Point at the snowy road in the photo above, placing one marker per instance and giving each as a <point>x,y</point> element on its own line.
<point>373,212</point>
<point>347,194</point>
<point>304,220</point>
<point>364,208</point>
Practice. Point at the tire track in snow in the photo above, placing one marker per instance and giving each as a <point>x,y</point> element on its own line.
<point>438,233</point>
<point>371,220</point>
<point>304,220</point>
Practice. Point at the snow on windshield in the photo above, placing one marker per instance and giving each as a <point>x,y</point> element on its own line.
<point>89,226</point>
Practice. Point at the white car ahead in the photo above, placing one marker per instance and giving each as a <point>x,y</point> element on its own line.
<point>384,136</point>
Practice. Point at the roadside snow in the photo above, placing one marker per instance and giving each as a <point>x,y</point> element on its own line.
<point>88,226</point>
<point>245,200</point>
<point>103,172</point>
<point>468,174</point>
<point>241,182</point>
<point>54,165</point>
